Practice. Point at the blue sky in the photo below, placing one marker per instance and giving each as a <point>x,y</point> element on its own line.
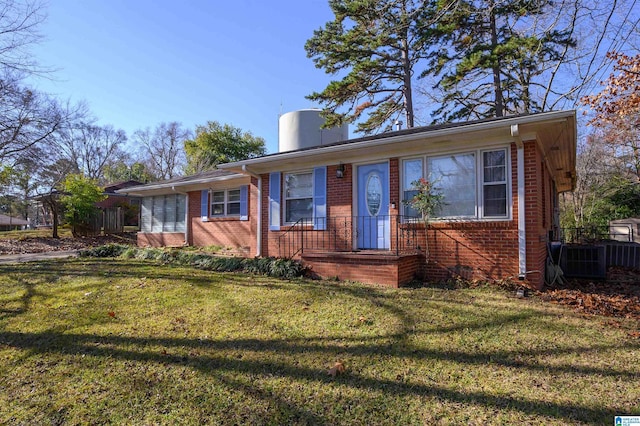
<point>139,63</point>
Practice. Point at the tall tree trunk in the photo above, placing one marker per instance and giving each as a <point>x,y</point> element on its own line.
<point>408,97</point>
<point>497,84</point>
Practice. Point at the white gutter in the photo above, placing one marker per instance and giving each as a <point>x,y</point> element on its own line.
<point>522,235</point>
<point>259,209</point>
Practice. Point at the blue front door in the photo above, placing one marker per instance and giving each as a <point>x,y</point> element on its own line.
<point>372,226</point>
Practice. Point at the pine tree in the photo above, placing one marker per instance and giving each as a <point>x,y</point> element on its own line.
<point>489,54</point>
<point>378,44</point>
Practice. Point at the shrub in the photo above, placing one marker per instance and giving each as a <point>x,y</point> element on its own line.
<point>107,250</point>
<point>271,266</point>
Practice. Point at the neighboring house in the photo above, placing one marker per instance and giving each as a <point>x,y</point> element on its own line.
<point>11,223</point>
<point>339,207</point>
<point>625,229</point>
<point>130,204</point>
<point>114,198</point>
<point>42,203</point>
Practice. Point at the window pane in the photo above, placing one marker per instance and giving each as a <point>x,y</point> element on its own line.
<point>217,197</point>
<point>297,209</point>
<point>234,195</point>
<point>217,209</point>
<point>158,214</point>
<point>169,223</point>
<point>146,214</point>
<point>181,210</point>
<point>233,208</point>
<point>455,177</point>
<point>495,200</point>
<point>408,210</point>
<point>299,185</point>
<point>412,172</point>
<point>495,166</point>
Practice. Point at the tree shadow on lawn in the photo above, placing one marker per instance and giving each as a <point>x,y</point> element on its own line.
<point>167,351</point>
<point>23,301</point>
<point>52,270</point>
<point>171,351</point>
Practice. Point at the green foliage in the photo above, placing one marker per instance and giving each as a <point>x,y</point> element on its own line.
<point>121,171</point>
<point>488,55</point>
<point>81,194</point>
<point>270,266</point>
<point>376,43</point>
<point>621,200</point>
<point>486,58</point>
<point>427,199</point>
<point>107,250</point>
<point>6,173</point>
<point>216,143</point>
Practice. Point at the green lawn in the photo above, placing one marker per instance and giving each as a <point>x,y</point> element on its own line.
<point>132,342</point>
<point>63,232</point>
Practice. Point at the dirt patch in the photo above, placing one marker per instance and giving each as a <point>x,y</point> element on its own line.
<point>43,245</point>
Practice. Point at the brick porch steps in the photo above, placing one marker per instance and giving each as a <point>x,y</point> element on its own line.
<point>369,267</point>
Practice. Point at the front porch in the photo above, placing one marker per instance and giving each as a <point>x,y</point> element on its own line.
<point>374,250</point>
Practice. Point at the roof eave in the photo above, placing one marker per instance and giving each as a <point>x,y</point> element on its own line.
<point>262,164</point>
<point>175,186</point>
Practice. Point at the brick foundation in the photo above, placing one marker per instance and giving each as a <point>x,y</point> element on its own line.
<point>369,268</point>
<point>161,239</point>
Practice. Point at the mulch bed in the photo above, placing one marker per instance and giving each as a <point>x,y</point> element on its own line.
<point>42,245</point>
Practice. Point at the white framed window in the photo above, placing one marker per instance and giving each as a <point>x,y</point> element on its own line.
<point>298,196</point>
<point>474,185</point>
<point>163,213</point>
<point>494,183</point>
<point>225,202</point>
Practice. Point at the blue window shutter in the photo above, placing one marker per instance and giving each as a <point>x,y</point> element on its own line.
<point>244,202</point>
<point>274,201</point>
<point>204,205</point>
<point>320,198</point>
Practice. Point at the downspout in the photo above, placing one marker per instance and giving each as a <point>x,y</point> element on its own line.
<point>522,236</point>
<point>259,210</point>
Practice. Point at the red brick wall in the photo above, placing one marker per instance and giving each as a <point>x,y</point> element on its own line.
<point>537,203</point>
<point>160,239</point>
<point>386,270</point>
<point>339,196</point>
<point>480,249</point>
<point>489,250</point>
<point>229,232</point>
<point>113,201</point>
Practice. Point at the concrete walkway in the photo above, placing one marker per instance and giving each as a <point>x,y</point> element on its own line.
<point>31,257</point>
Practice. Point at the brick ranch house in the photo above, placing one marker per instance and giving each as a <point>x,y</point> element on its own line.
<point>339,207</point>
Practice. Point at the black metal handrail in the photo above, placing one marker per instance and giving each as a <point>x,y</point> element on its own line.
<point>394,233</point>
<point>589,234</point>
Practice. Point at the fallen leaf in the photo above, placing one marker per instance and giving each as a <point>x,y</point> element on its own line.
<point>338,368</point>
